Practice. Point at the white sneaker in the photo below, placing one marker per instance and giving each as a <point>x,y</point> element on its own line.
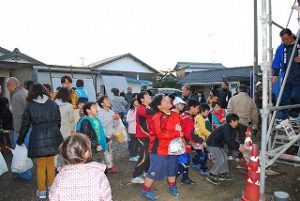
<point>134,159</point>
<point>138,180</point>
<point>230,158</point>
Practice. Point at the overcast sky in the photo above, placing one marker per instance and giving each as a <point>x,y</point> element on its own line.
<point>159,32</point>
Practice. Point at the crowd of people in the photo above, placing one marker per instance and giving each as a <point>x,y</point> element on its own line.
<point>71,137</point>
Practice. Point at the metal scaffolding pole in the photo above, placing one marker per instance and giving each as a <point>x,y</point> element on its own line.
<point>264,111</point>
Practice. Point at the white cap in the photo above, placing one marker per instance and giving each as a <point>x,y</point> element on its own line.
<point>178,100</point>
<point>258,83</point>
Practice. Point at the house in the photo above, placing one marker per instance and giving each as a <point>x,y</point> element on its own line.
<point>203,80</point>
<point>16,64</point>
<point>182,69</point>
<point>119,71</point>
<point>122,71</point>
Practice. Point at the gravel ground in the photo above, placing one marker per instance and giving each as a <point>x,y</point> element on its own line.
<point>123,190</point>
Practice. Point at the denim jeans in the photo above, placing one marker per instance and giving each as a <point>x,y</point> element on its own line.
<point>290,95</point>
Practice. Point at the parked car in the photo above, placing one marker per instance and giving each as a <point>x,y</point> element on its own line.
<point>165,91</point>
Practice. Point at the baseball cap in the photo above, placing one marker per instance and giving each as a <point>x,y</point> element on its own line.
<point>178,100</point>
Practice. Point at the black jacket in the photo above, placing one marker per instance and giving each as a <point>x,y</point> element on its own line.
<point>45,136</point>
<point>225,95</point>
<point>222,135</point>
<point>87,129</point>
<point>5,115</point>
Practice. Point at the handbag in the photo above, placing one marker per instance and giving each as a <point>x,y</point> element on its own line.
<point>20,162</point>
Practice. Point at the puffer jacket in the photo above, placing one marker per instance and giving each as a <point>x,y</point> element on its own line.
<point>164,130</point>
<point>44,117</point>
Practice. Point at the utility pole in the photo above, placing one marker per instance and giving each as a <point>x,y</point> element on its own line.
<point>82,60</point>
<point>255,63</point>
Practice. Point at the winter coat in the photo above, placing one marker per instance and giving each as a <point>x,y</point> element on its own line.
<point>44,117</point>
<point>85,181</point>
<point>203,127</point>
<point>225,95</point>
<point>131,119</point>
<point>67,118</point>
<point>164,131</point>
<point>217,117</point>
<point>222,135</point>
<point>187,129</point>
<point>143,121</point>
<point>244,107</point>
<point>18,104</point>
<point>5,115</point>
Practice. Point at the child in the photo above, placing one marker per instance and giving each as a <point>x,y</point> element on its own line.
<point>187,119</point>
<point>91,126</point>
<point>179,105</point>
<point>166,127</point>
<point>110,122</point>
<point>218,114</point>
<point>224,134</point>
<point>203,128</point>
<point>143,127</point>
<point>131,119</point>
<point>80,179</point>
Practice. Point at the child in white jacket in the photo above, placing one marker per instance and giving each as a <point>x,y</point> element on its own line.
<point>131,119</point>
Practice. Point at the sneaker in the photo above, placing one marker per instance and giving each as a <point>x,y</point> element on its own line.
<point>230,158</point>
<point>292,118</point>
<point>111,170</point>
<point>212,179</point>
<point>149,194</point>
<point>205,173</point>
<point>187,181</point>
<point>225,177</point>
<point>137,180</point>
<point>134,159</point>
<point>173,191</point>
<point>42,194</point>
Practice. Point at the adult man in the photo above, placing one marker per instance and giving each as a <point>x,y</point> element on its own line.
<point>245,108</point>
<point>66,82</point>
<point>187,94</point>
<point>280,64</point>
<point>225,95</point>
<point>129,96</point>
<point>18,102</point>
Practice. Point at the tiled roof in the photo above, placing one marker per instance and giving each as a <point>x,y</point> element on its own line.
<point>17,54</point>
<point>196,65</point>
<point>217,76</point>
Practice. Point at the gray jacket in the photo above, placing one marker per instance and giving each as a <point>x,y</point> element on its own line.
<point>244,107</point>
<point>18,103</point>
<point>118,104</point>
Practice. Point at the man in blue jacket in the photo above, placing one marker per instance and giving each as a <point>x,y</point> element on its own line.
<point>280,63</point>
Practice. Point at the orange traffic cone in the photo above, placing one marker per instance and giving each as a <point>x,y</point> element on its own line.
<point>252,179</point>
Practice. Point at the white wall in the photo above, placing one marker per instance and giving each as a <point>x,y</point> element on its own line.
<point>126,64</point>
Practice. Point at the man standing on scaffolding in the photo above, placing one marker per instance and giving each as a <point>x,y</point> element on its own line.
<point>280,63</point>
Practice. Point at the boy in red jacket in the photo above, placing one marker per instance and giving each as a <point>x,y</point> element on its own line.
<point>166,127</point>
<point>187,119</point>
<point>143,127</point>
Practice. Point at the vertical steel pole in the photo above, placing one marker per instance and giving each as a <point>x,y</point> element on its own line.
<point>264,111</point>
<point>255,63</point>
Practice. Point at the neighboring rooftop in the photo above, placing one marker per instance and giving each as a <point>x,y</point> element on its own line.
<point>217,75</point>
<point>16,56</point>
<point>198,66</point>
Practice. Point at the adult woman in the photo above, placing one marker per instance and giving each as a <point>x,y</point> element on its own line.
<point>43,115</point>
<point>213,96</point>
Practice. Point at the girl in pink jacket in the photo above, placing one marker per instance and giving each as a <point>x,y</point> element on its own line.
<point>131,119</point>
<point>80,179</point>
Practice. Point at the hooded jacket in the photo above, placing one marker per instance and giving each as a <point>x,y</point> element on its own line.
<point>44,117</point>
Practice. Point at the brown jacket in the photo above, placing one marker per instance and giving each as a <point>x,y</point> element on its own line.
<point>244,107</point>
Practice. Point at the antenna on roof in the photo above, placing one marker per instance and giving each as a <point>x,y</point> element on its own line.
<point>82,60</point>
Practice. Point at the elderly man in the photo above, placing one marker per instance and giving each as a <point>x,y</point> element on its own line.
<point>187,94</point>
<point>281,60</point>
<point>245,108</point>
<point>18,102</point>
